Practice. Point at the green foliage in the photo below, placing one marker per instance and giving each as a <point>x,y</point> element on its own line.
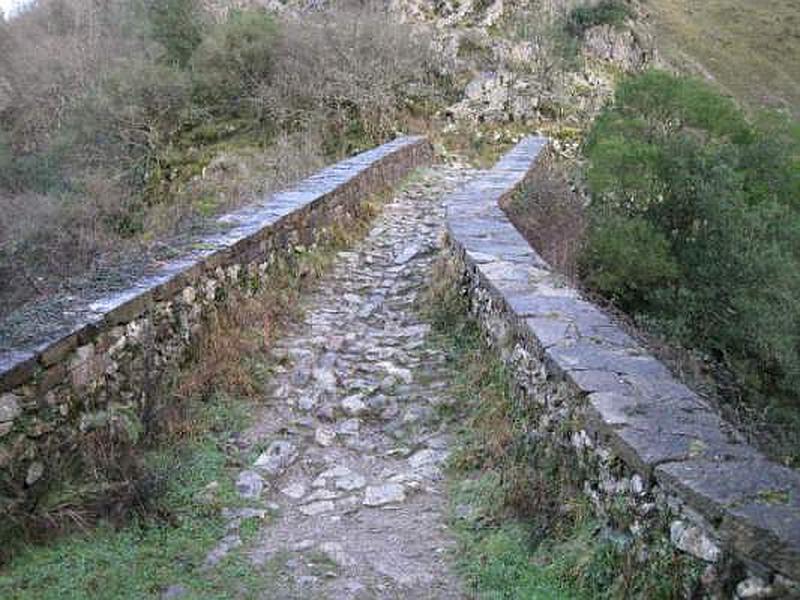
<point>235,57</point>
<point>177,26</point>
<point>627,258</point>
<point>705,205</point>
<point>606,12</point>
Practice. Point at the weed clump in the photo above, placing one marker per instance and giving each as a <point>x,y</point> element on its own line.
<point>606,12</point>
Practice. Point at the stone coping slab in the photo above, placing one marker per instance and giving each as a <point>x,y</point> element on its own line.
<point>84,318</point>
<point>659,427</point>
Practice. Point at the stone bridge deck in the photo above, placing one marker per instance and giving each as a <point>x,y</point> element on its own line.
<point>350,443</point>
<point>353,443</point>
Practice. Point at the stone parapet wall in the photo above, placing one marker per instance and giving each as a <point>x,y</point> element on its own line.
<point>108,354</point>
<point>642,439</point>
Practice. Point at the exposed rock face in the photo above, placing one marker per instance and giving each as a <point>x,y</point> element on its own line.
<point>621,47</point>
<point>518,75</point>
<point>451,13</point>
<point>507,55</point>
<point>486,98</point>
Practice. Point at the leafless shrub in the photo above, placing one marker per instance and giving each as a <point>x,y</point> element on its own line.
<point>57,51</point>
<point>46,238</point>
<point>352,72</point>
<point>109,146</point>
<point>550,214</point>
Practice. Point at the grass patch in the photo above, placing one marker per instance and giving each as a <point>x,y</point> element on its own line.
<point>606,12</point>
<point>748,48</point>
<point>525,529</point>
<point>157,550</point>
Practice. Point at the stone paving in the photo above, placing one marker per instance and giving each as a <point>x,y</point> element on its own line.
<point>349,443</point>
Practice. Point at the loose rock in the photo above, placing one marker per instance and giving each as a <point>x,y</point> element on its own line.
<point>381,495</point>
<point>249,484</point>
<point>693,540</point>
<point>317,508</point>
<point>279,455</point>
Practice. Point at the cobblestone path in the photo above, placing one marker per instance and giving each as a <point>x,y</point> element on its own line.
<point>350,445</point>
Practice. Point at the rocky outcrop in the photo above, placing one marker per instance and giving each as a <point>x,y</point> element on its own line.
<point>511,59</point>
<point>622,47</point>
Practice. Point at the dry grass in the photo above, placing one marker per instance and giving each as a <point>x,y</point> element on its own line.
<point>110,154</point>
<point>551,216</point>
<point>749,48</point>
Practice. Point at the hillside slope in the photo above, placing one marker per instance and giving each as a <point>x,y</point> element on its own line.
<point>751,49</point>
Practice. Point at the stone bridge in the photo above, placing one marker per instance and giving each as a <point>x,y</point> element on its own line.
<point>352,452</point>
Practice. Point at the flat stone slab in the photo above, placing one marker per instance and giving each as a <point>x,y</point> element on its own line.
<point>380,495</point>
<point>755,501</point>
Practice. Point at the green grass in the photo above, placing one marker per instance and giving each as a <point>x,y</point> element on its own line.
<point>150,554</point>
<point>749,48</point>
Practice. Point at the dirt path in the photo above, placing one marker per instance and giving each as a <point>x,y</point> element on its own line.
<point>349,443</point>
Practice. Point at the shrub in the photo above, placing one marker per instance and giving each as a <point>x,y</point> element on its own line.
<point>177,25</point>
<point>353,77</point>
<point>626,259</point>
<point>606,12</point>
<point>123,122</point>
<point>235,57</point>
<point>56,52</point>
<point>123,104</point>
<point>697,225</point>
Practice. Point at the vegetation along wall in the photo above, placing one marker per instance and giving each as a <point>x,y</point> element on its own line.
<point>101,360</point>
<point>645,452</point>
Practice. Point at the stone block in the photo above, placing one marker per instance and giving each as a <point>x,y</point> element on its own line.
<point>58,350</point>
<point>16,368</point>
<point>647,432</point>
<point>756,502</point>
<point>9,408</point>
